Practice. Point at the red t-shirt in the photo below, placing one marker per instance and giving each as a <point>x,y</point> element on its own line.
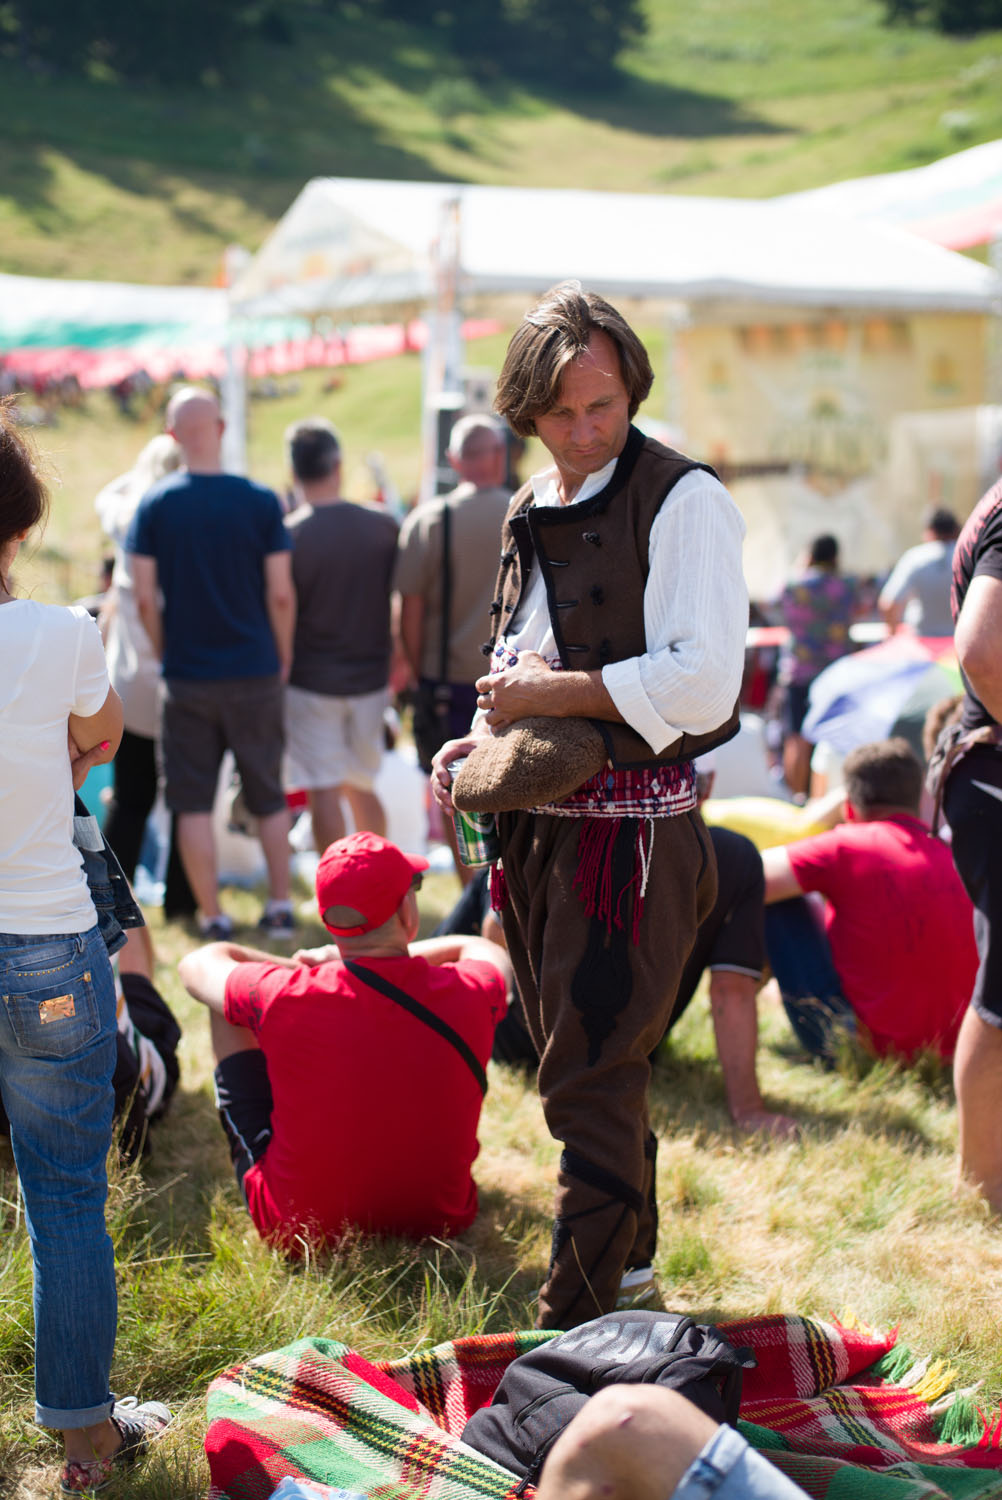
<point>900,926</point>
<point>375,1115</point>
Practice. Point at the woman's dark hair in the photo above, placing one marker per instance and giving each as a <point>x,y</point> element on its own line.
<point>24,500</point>
<point>551,336</point>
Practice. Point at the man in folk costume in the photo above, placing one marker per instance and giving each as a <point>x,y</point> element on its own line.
<point>620,600</point>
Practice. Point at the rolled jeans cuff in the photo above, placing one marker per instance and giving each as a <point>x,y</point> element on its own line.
<point>728,1469</point>
<point>83,1416</point>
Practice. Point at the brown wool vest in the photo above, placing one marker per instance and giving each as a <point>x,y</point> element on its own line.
<point>594,561</point>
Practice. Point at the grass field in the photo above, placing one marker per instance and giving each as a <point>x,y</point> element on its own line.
<point>746,97</point>
<point>859,1214</point>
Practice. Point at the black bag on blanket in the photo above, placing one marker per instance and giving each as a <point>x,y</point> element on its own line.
<point>541,1391</point>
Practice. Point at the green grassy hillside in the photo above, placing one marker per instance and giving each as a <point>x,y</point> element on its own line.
<point>748,97</point>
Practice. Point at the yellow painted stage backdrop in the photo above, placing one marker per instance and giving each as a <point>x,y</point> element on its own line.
<point>843,423</point>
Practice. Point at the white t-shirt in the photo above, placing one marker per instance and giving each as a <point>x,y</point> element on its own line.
<point>51,665</point>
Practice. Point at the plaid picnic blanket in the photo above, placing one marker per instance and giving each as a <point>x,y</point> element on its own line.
<point>843,1410</point>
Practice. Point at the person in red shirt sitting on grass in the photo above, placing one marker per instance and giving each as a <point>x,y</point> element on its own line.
<point>894,959</point>
<point>349,1079</point>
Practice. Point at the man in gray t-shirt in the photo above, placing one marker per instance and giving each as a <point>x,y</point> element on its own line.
<point>342,567</point>
<point>918,589</point>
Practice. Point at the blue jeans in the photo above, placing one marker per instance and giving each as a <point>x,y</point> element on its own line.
<point>727,1469</point>
<point>801,960</point>
<point>57,1056</point>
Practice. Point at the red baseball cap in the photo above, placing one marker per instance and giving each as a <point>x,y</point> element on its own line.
<point>368,874</point>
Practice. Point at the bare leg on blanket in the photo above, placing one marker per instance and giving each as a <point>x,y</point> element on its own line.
<point>650,1443</point>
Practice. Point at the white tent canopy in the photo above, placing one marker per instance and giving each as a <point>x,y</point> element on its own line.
<point>956,201</point>
<point>348,243</point>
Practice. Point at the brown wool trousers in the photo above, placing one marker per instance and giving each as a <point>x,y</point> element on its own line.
<point>596,1003</point>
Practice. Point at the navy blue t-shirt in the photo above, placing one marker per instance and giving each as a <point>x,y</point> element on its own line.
<point>210,535</point>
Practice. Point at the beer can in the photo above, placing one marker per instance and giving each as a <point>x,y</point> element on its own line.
<point>477,839</point>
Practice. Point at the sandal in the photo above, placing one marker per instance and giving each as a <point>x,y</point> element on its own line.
<point>138,1425</point>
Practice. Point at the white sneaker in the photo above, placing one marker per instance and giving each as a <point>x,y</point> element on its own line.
<point>636,1286</point>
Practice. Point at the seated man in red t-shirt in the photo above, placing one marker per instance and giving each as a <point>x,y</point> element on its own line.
<point>895,958</point>
<point>349,1080</point>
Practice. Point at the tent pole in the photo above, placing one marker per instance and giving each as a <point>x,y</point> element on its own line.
<point>442,366</point>
<point>676,315</point>
<point>233,400</point>
<point>233,386</point>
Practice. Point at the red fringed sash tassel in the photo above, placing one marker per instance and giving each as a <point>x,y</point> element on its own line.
<point>499,887</point>
<point>593,880</point>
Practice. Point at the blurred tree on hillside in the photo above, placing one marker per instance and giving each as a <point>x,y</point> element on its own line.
<point>570,43</point>
<point>955,17</point>
<point>171,43</point>
<point>578,39</point>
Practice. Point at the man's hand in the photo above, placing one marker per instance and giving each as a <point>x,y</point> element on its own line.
<point>516,692</point>
<point>312,958</point>
<point>530,687</point>
<point>441,780</point>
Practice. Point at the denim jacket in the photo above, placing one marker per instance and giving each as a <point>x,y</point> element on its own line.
<point>110,891</point>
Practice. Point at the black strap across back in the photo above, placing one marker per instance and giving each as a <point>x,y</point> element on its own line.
<point>415,1007</point>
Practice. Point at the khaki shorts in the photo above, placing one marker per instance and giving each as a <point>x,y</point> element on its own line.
<point>333,741</point>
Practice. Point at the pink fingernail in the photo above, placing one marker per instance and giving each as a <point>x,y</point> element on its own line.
<point>105,744</point>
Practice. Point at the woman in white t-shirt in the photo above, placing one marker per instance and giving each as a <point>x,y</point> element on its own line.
<point>57,1019</point>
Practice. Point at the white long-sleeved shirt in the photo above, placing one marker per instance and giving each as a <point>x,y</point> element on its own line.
<point>695,611</point>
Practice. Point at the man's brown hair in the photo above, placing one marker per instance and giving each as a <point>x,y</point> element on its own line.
<point>887,773</point>
<point>551,336</point>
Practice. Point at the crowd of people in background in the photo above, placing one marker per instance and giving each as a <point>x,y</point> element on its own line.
<point>235,623</point>
<point>282,630</point>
